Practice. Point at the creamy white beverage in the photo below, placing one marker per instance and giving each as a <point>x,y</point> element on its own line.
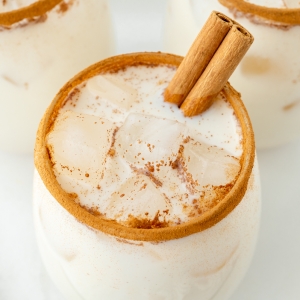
<point>42,45</point>
<point>268,76</point>
<point>132,200</point>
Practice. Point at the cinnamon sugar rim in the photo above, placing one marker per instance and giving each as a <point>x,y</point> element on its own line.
<point>290,16</point>
<point>70,202</point>
<point>31,11</point>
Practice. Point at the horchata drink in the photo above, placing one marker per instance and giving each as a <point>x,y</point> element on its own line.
<point>42,45</point>
<point>133,200</point>
<point>269,75</point>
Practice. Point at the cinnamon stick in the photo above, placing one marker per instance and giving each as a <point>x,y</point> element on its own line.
<point>211,82</point>
<point>198,57</point>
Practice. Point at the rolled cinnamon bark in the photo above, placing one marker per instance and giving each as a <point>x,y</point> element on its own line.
<point>203,49</point>
<point>211,82</point>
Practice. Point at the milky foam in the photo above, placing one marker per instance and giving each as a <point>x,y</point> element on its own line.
<point>132,157</point>
<point>276,3</point>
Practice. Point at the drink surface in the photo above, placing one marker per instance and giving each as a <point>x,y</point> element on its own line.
<point>133,158</point>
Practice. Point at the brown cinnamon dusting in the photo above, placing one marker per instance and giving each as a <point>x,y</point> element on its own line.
<point>150,167</point>
<point>63,7</point>
<point>93,210</point>
<point>210,197</point>
<point>50,155</point>
<point>221,191</point>
<point>72,98</point>
<point>148,174</point>
<point>144,223</point>
<point>40,19</point>
<point>186,177</point>
<point>112,151</point>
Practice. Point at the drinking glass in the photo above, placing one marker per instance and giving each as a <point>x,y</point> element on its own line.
<point>91,257</point>
<point>43,44</point>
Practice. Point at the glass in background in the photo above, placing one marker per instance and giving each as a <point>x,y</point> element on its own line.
<point>269,75</point>
<point>42,45</point>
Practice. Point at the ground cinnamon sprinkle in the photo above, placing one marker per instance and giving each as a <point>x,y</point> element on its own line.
<point>72,97</point>
<point>50,153</point>
<point>144,223</point>
<point>40,19</point>
<point>94,211</point>
<point>147,173</point>
<point>150,167</point>
<point>221,191</point>
<point>63,7</point>
<point>112,151</point>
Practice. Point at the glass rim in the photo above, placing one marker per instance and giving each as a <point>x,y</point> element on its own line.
<point>206,220</point>
<point>287,16</point>
<point>34,10</point>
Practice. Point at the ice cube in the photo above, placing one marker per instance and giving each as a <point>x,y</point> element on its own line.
<point>138,197</point>
<point>115,173</point>
<point>145,140</point>
<point>79,144</point>
<point>87,191</point>
<point>209,165</point>
<point>115,90</point>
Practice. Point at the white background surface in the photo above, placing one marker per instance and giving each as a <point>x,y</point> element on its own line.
<point>275,270</point>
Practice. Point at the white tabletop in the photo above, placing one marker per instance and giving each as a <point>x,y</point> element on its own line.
<point>275,270</point>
